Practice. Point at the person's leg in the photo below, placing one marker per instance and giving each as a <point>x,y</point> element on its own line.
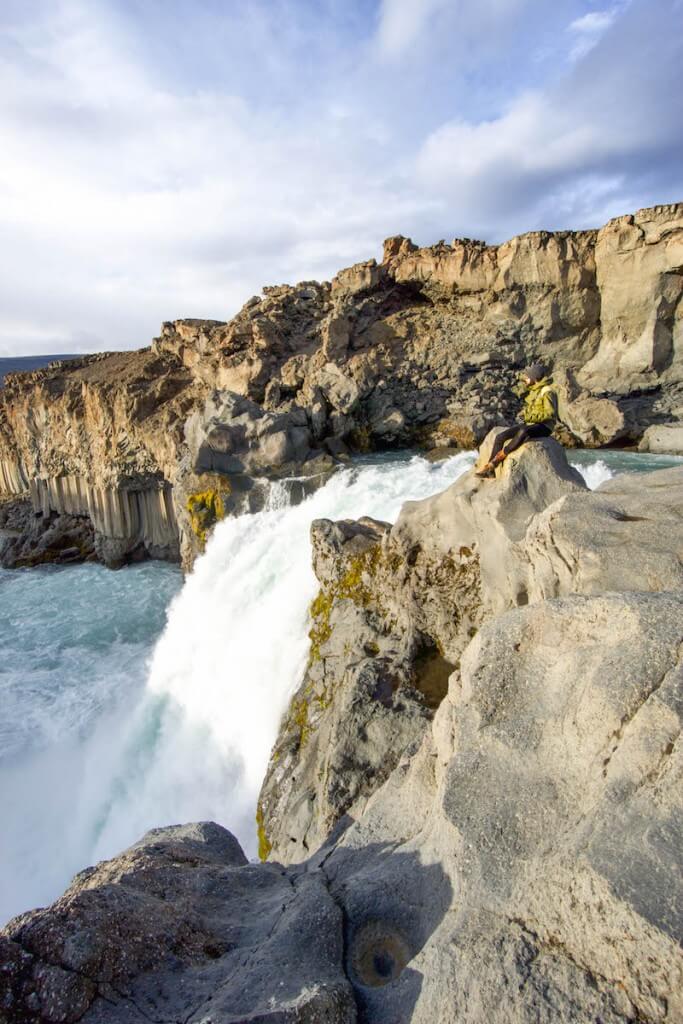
<point>520,435</point>
<point>501,438</point>
<point>498,443</point>
<point>526,432</point>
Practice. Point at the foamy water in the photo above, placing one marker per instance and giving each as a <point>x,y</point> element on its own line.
<point>107,733</point>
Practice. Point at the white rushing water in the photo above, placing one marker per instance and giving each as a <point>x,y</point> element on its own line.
<point>105,735</point>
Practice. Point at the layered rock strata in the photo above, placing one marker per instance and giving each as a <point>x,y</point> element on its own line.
<point>421,349</point>
<point>494,839</point>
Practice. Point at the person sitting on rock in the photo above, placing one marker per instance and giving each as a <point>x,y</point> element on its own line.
<point>539,415</point>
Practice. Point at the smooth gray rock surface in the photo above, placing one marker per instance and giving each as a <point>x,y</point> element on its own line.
<point>549,793</point>
<point>232,434</point>
<point>664,439</point>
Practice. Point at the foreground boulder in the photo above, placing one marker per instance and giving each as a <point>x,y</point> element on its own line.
<point>179,928</point>
<point>549,792</point>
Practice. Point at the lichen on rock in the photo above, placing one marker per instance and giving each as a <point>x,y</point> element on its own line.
<point>206,509</point>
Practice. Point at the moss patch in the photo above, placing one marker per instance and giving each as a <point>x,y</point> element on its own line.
<point>264,844</point>
<point>321,630</point>
<point>205,509</point>
<point>298,718</point>
<point>353,585</point>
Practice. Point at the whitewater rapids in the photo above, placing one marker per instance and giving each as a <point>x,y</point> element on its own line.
<point>112,735</point>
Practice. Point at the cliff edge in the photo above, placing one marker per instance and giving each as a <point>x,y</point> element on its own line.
<point>152,448</point>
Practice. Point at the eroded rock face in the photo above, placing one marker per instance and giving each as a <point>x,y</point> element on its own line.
<point>422,350</point>
<point>28,538</point>
<point>548,791</point>
<point>98,439</point>
<point>179,927</point>
<point>399,605</point>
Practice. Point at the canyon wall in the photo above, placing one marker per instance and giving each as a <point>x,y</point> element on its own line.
<point>422,349</point>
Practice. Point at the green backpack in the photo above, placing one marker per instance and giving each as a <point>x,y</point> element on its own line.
<point>540,405</point>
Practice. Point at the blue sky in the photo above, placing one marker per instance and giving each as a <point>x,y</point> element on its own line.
<point>167,158</point>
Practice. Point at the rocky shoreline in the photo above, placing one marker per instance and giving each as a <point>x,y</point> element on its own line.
<point>148,449</point>
<point>473,811</point>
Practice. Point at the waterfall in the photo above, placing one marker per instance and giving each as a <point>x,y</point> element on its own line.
<point>112,733</point>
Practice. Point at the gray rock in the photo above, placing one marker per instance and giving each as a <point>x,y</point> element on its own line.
<point>627,535</point>
<point>235,435</point>
<point>28,539</point>
<point>666,439</point>
<point>180,928</point>
<point>398,605</point>
<point>549,793</point>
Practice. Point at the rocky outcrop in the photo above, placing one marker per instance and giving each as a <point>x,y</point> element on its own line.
<point>662,440</point>
<point>28,539</point>
<point>546,798</point>
<point>398,605</point>
<point>98,439</point>
<point>477,793</point>
<point>179,927</point>
<point>421,349</point>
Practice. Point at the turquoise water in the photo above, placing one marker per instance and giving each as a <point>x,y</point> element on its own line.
<point>130,699</point>
<point>69,633</point>
<point>623,462</point>
<point>76,644</point>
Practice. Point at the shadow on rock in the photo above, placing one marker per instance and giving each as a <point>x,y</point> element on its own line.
<point>392,904</point>
<point>181,927</point>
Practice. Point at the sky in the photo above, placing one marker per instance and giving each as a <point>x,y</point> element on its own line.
<point>167,158</point>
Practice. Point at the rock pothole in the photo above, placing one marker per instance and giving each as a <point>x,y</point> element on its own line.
<point>378,954</point>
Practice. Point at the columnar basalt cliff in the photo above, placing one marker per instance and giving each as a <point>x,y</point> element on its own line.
<point>474,809</point>
<point>421,349</point>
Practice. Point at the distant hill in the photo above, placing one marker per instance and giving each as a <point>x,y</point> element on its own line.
<point>22,364</point>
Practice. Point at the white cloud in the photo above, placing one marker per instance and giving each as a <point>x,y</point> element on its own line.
<point>598,141</point>
<point>588,30</point>
<point>131,203</point>
<point>135,188</point>
<point>402,21</point>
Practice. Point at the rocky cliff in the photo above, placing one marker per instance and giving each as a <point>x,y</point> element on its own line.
<point>152,447</point>
<point>474,808</point>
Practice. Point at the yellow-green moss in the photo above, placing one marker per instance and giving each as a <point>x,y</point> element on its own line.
<point>205,508</point>
<point>321,630</point>
<point>350,586</point>
<point>298,716</point>
<point>264,844</point>
<point>323,700</point>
